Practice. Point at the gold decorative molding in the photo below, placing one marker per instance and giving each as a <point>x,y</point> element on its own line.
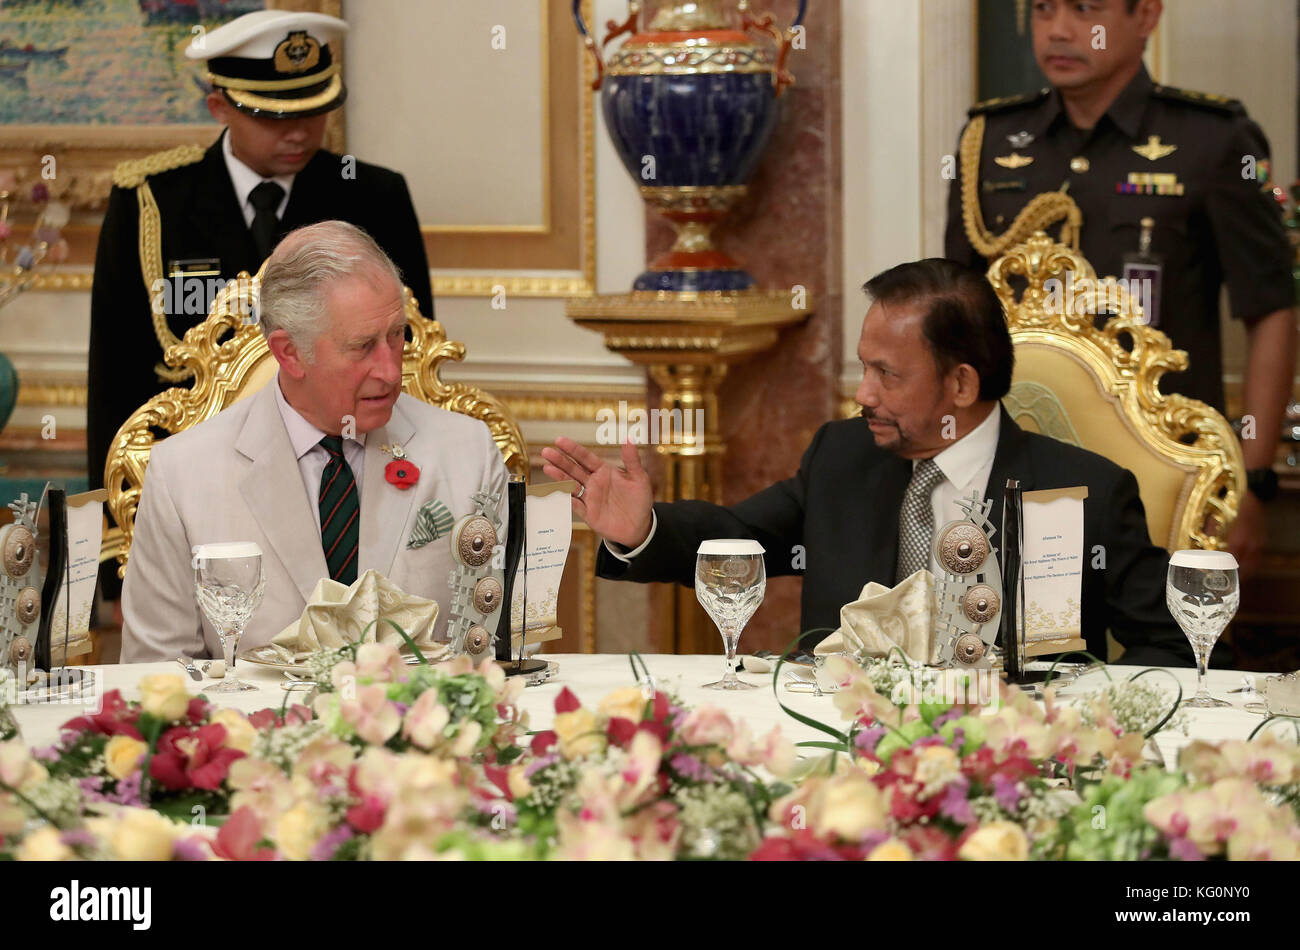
<point>1128,358</point>
<point>689,59</point>
<point>444,285</point>
<point>44,391</point>
<point>486,285</point>
<point>849,408</point>
<point>224,352</point>
<point>586,543</point>
<point>566,409</point>
<point>50,393</point>
<point>733,308</point>
<point>61,281</point>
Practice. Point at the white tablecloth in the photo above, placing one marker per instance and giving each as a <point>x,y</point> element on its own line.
<point>592,676</point>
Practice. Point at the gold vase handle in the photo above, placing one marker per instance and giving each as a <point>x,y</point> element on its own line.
<point>766,23</point>
<point>615,29</point>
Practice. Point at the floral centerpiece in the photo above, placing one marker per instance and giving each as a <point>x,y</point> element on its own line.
<point>170,750</point>
<point>919,777</point>
<point>392,761</point>
<point>639,776</point>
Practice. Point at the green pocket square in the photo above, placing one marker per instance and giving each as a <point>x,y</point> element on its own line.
<point>432,521</point>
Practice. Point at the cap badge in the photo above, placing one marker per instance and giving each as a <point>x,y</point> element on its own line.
<point>298,53</point>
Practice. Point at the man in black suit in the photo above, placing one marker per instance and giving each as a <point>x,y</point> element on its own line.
<point>937,358</point>
<point>181,222</point>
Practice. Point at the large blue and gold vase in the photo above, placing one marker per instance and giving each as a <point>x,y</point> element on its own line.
<point>690,104</point>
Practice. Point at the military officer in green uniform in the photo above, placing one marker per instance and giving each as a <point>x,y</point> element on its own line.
<point>1173,182</point>
<point>182,221</point>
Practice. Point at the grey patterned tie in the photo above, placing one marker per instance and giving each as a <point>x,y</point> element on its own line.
<point>916,520</point>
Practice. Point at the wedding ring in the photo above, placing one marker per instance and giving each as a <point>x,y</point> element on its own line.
<point>582,489</point>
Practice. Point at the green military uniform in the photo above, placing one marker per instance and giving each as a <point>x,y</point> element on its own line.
<point>1174,156</point>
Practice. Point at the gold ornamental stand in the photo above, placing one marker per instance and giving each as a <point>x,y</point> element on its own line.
<point>687,342</point>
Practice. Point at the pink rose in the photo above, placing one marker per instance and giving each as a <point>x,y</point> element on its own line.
<point>380,662</point>
<point>707,725</point>
<point>425,721</point>
<point>371,715</point>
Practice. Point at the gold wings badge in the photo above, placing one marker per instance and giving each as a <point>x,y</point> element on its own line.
<point>1014,160</point>
<point>1154,150</point>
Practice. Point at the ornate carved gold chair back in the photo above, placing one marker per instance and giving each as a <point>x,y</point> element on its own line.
<point>230,360</point>
<point>1097,387</point>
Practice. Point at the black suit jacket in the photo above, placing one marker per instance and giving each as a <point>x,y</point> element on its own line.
<point>201,218</point>
<point>840,512</point>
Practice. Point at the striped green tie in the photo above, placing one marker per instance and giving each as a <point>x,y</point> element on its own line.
<point>340,513</point>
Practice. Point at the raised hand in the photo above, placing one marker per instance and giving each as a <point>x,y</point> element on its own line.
<point>617,502</point>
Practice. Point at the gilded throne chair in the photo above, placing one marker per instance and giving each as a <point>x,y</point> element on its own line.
<point>230,360</point>
<point>1097,387</point>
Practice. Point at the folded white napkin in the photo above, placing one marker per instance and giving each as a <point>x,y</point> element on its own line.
<point>337,614</point>
<point>886,617</point>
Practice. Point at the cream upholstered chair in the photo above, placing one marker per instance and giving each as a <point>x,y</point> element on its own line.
<point>1097,388</point>
<point>230,360</point>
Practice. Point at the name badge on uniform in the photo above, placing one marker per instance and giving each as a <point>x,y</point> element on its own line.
<point>1142,272</point>
<point>190,288</point>
<point>1011,184</point>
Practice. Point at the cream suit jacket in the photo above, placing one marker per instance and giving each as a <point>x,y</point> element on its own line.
<point>235,478</point>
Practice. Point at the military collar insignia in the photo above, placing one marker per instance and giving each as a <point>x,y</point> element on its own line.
<point>1014,160</point>
<point>1020,139</point>
<point>1154,150</point>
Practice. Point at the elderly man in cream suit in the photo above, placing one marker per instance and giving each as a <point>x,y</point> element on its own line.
<point>299,467</point>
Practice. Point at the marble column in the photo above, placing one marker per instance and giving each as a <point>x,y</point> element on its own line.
<point>788,232</point>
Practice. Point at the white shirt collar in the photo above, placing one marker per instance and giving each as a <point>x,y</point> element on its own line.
<point>245,179</point>
<point>303,436</point>
<point>969,455</point>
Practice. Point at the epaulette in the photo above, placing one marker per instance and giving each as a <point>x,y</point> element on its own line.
<point>1204,99</point>
<point>132,172</point>
<point>1002,103</point>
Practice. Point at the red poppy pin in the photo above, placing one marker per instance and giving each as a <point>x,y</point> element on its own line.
<point>401,471</point>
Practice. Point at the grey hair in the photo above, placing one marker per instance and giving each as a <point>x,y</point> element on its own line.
<point>301,270</point>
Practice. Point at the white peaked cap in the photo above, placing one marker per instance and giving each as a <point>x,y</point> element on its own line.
<point>256,35</point>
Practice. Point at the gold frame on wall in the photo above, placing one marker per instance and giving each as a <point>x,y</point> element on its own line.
<point>548,90</point>
<point>560,258</point>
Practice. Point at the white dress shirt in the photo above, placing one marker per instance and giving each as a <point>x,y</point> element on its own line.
<point>245,180</point>
<point>966,465</point>
<point>311,455</point>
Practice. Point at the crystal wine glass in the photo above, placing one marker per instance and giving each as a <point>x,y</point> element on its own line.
<point>730,581</point>
<point>1203,595</point>
<point>229,581</point>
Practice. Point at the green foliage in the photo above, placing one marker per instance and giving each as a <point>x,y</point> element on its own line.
<point>973,730</point>
<point>473,847</point>
<point>75,761</point>
<point>353,849</point>
<point>1109,825</point>
<point>180,807</point>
